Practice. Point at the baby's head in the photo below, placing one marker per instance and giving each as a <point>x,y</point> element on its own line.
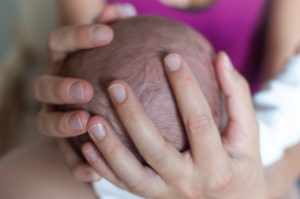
<point>135,56</point>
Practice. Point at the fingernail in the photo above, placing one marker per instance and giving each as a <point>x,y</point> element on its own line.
<point>97,132</point>
<point>127,10</point>
<point>227,62</point>
<point>118,93</point>
<point>173,62</point>
<point>100,34</point>
<point>77,92</point>
<point>75,123</point>
<point>90,154</point>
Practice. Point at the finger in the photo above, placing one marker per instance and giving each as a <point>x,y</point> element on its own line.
<point>242,123</point>
<point>72,38</point>
<point>204,138</point>
<point>177,3</point>
<point>99,164</point>
<point>121,160</point>
<point>186,4</point>
<point>62,124</point>
<point>162,157</point>
<point>60,90</point>
<point>114,12</point>
<point>81,171</point>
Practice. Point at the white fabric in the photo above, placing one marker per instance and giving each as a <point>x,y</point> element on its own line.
<point>107,190</point>
<point>277,109</point>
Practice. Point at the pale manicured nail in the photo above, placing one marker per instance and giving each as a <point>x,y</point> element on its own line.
<point>173,62</point>
<point>100,34</point>
<point>118,93</point>
<point>127,10</point>
<point>97,132</point>
<point>91,154</point>
<point>77,92</point>
<point>75,123</point>
<point>227,62</point>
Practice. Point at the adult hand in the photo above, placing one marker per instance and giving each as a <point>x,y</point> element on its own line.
<point>217,165</point>
<point>54,90</point>
<point>185,4</point>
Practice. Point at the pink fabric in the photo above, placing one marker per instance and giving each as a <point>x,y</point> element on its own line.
<point>230,25</point>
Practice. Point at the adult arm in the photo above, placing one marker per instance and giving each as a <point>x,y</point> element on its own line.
<point>79,12</point>
<point>283,36</point>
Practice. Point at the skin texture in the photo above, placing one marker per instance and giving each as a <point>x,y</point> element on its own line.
<point>52,89</point>
<point>137,60</point>
<point>22,171</point>
<point>37,170</point>
<point>60,125</point>
<point>232,166</point>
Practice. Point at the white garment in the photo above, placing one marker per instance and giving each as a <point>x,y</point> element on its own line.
<point>277,109</point>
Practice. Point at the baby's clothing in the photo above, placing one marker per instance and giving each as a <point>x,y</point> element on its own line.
<point>277,108</point>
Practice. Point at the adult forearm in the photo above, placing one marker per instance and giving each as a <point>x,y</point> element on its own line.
<point>79,11</point>
<point>283,36</point>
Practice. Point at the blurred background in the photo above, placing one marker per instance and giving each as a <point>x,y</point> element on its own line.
<point>24,28</point>
<point>8,12</point>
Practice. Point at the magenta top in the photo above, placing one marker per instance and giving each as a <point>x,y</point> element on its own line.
<point>230,25</point>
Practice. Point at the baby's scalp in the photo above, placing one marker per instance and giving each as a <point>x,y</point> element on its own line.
<point>136,56</point>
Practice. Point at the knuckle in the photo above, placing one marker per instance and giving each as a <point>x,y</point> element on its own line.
<point>112,148</point>
<point>220,182</point>
<point>158,157</point>
<point>130,117</point>
<point>191,194</point>
<point>199,123</point>
<point>190,189</point>
<point>138,186</point>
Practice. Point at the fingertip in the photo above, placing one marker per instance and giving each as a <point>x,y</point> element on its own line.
<point>90,153</point>
<point>94,121</point>
<point>78,91</point>
<point>127,10</point>
<point>84,173</point>
<point>101,34</point>
<point>225,61</point>
<point>118,92</point>
<point>88,91</point>
<point>63,124</point>
<point>173,62</point>
<point>117,11</point>
<point>76,122</point>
